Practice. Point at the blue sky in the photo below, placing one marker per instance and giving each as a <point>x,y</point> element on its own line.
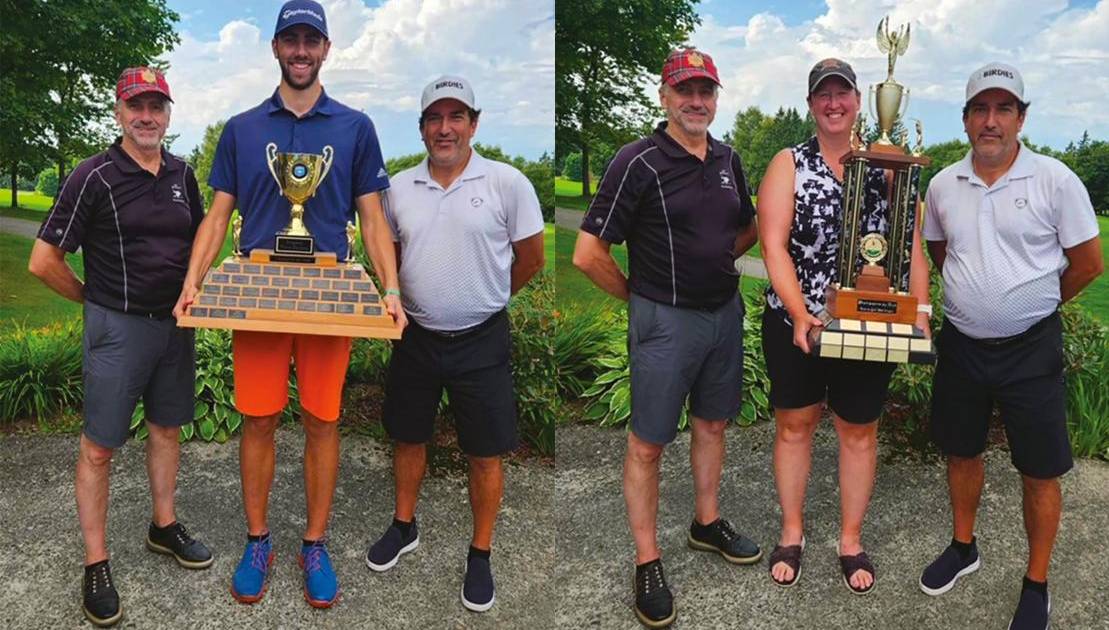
<point>765,49</point>
<point>383,53</point>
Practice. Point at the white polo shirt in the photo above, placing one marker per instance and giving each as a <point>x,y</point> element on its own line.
<point>1005,242</point>
<point>456,244</point>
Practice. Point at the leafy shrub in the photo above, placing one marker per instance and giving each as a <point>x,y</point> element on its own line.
<point>369,358</point>
<point>571,167</point>
<point>581,336</point>
<point>47,183</point>
<point>40,370</point>
<point>534,363</point>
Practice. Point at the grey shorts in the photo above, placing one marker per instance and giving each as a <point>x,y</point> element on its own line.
<point>678,352</point>
<point>128,356</point>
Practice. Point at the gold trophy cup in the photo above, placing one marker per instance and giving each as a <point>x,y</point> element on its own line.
<point>298,175</point>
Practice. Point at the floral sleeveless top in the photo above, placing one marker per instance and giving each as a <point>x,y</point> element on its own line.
<point>817,213</point>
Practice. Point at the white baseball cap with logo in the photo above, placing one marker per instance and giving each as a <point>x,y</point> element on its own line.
<point>996,75</point>
<point>448,86</point>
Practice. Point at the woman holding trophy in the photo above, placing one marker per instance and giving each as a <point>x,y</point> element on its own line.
<point>800,211</point>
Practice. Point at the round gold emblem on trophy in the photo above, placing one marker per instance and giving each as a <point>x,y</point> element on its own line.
<point>873,248</point>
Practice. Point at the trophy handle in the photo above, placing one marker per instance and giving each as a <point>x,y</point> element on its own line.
<point>904,107</point>
<point>328,155</point>
<point>271,161</point>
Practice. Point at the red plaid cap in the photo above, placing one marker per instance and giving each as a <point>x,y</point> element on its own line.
<point>133,81</point>
<point>688,63</point>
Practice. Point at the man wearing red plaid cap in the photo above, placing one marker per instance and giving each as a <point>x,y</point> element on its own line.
<point>133,211</point>
<point>680,200</point>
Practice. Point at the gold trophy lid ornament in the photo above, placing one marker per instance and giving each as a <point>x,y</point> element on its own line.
<point>889,99</point>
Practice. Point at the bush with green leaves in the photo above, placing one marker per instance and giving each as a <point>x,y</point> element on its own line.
<point>40,371</point>
<point>611,389</point>
<point>534,363</point>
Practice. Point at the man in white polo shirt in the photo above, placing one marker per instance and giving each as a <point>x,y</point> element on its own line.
<point>469,233</point>
<point>1015,236</point>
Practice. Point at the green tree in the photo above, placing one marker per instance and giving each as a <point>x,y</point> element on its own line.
<point>571,167</point>
<point>1089,159</point>
<point>607,52</point>
<point>61,63</point>
<point>758,137</point>
<point>202,157</point>
<point>48,182</point>
<point>942,155</point>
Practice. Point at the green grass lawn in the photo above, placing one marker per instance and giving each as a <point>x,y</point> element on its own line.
<point>575,291</point>
<point>568,193</point>
<point>27,200</point>
<point>1096,296</point>
<point>23,297</point>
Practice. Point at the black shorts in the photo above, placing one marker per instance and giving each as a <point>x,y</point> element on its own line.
<point>1024,377</point>
<point>855,390</point>
<point>475,370</point>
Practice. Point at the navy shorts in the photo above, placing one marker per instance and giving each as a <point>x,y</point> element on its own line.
<point>1023,376</point>
<point>676,353</point>
<point>855,390</point>
<point>132,356</point>
<point>475,370</point>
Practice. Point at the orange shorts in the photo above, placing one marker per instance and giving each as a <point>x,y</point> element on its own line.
<point>262,372</point>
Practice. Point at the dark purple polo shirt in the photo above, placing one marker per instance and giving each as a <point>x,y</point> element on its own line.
<point>680,216</point>
<point>134,229</point>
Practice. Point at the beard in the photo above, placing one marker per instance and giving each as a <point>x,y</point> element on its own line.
<point>145,141</point>
<point>287,76</point>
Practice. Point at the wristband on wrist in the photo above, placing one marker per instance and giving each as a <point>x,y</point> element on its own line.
<point>395,292</point>
<point>924,308</point>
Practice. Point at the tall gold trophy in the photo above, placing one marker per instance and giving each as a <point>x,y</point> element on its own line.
<point>292,287</point>
<point>870,314</point>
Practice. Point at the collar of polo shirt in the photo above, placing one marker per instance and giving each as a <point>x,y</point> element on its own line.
<point>322,106</point>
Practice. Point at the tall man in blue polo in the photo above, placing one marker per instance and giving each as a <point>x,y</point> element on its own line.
<point>680,200</point>
<point>469,234</point>
<point>1015,236</point>
<point>299,117</point>
<point>133,211</point>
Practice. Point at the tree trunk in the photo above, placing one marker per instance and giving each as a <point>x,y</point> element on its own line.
<point>15,184</point>
<point>61,175</point>
<point>585,171</point>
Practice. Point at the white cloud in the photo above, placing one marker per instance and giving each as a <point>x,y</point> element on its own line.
<point>1063,53</point>
<point>380,60</point>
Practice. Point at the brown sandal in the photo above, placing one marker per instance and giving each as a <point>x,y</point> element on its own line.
<point>789,555</point>
<point>850,564</point>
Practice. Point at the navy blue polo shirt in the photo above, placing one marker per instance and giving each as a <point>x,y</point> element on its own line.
<point>240,169</point>
<point>135,229</point>
<point>680,216</point>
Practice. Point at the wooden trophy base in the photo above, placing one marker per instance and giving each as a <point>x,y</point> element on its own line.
<point>870,323</point>
<point>269,292</point>
<point>872,341</point>
<point>871,300</point>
